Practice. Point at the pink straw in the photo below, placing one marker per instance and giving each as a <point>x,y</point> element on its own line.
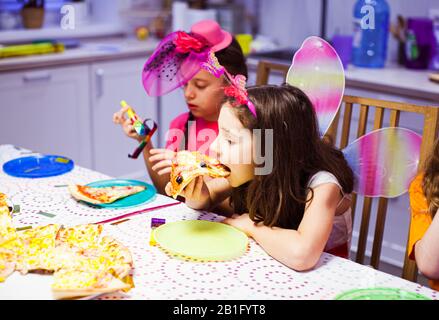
<point>138,212</point>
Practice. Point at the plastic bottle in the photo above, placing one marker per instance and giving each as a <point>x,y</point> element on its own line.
<point>371,33</point>
<point>434,15</point>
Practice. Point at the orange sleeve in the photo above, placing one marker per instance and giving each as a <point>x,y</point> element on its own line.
<point>420,218</point>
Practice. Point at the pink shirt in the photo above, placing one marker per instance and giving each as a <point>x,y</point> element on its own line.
<point>201,134</point>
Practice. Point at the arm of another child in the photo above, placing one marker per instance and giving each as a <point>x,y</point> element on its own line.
<point>298,249</point>
<point>427,251</point>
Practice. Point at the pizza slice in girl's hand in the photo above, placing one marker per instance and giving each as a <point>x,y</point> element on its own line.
<point>104,195</point>
<point>189,165</point>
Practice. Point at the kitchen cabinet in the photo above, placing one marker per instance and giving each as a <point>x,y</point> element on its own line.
<point>112,82</point>
<point>48,111</point>
<point>68,111</point>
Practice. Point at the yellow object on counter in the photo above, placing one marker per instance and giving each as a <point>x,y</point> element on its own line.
<point>142,33</point>
<point>31,49</point>
<point>245,41</point>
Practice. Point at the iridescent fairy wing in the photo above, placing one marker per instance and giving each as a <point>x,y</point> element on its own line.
<point>384,161</point>
<point>317,70</point>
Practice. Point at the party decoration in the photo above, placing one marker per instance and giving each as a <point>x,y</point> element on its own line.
<point>179,57</point>
<point>141,128</point>
<point>155,223</point>
<point>176,60</point>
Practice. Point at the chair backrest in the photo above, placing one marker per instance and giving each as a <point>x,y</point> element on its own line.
<point>350,105</point>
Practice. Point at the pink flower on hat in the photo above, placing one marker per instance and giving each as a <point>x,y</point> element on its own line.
<point>185,43</point>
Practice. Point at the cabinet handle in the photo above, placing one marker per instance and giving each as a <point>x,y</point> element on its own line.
<point>37,76</point>
<point>99,82</point>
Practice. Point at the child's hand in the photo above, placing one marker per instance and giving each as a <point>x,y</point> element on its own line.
<point>241,222</point>
<point>196,194</point>
<point>163,160</point>
<point>127,126</point>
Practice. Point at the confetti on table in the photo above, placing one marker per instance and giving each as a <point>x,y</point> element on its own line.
<point>49,215</point>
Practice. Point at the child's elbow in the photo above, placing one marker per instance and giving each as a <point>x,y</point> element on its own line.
<point>428,269</point>
<point>302,259</point>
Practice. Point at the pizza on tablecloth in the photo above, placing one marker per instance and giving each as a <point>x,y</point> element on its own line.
<point>102,195</point>
<point>189,165</point>
<point>82,261</point>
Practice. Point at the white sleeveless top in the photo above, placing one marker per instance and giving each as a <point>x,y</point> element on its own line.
<point>342,228</point>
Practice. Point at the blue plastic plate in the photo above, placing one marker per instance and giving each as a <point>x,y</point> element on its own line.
<point>137,199</point>
<point>38,166</point>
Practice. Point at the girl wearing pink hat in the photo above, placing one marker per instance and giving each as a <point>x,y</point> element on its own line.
<point>176,63</point>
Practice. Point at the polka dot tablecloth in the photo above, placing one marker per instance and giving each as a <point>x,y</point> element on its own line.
<point>255,275</point>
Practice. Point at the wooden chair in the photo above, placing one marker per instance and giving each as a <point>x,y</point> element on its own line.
<point>350,104</point>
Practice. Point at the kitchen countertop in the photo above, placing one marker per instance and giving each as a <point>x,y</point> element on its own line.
<point>392,80</point>
<point>89,51</point>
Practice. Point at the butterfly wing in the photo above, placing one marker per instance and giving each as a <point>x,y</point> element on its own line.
<point>384,161</point>
<point>317,70</point>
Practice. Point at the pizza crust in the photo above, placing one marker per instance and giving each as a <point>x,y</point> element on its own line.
<point>113,285</point>
<point>74,191</point>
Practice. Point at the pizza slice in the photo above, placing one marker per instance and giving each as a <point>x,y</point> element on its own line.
<point>9,253</point>
<point>189,165</point>
<point>81,236</point>
<point>38,249</point>
<point>7,231</point>
<point>101,268</point>
<point>81,283</point>
<point>103,195</point>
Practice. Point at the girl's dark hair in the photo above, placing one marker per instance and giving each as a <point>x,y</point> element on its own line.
<point>279,198</point>
<point>232,58</point>
<point>430,183</point>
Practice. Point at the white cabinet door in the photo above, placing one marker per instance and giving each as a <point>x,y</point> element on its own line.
<point>112,82</point>
<point>47,111</point>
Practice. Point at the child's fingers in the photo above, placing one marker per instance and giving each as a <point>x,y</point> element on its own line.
<point>129,130</point>
<point>162,156</point>
<point>162,164</point>
<point>120,115</point>
<point>189,190</point>
<point>168,152</point>
<point>118,118</point>
<point>155,151</point>
<point>168,188</point>
<point>198,185</point>
<point>164,171</point>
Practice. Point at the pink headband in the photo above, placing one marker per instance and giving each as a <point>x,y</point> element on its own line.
<point>236,88</point>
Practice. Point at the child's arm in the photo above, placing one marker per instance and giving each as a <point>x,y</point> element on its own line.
<point>301,249</point>
<point>427,251</point>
